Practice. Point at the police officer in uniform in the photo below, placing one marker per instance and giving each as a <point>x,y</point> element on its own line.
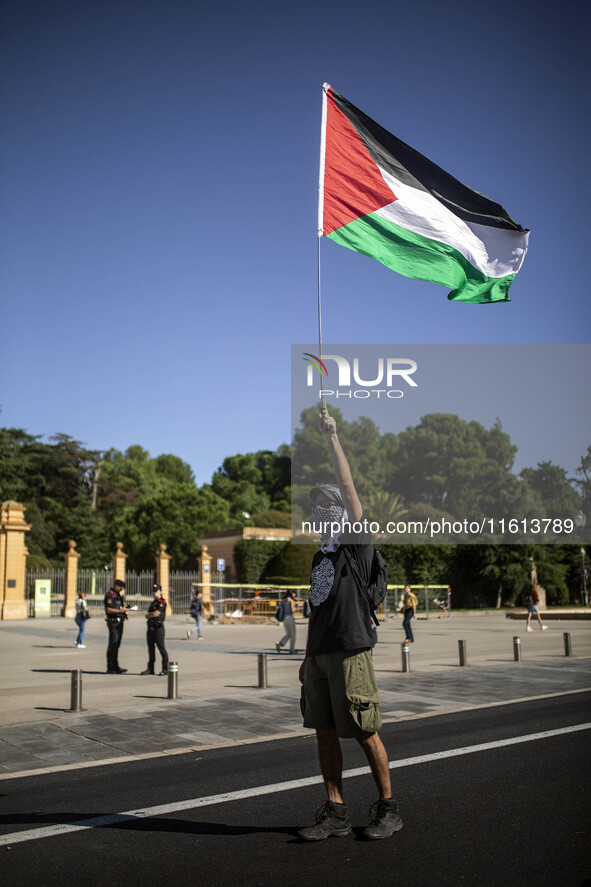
<point>116,613</point>
<point>155,632</point>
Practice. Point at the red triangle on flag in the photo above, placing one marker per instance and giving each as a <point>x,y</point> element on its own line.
<point>353,185</point>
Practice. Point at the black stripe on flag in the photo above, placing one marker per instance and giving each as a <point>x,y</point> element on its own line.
<point>415,170</point>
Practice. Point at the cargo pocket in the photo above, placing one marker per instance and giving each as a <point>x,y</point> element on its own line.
<point>364,712</point>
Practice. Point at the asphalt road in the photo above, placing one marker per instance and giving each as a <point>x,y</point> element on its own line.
<point>505,814</point>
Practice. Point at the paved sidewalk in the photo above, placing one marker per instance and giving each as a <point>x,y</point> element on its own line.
<point>127,716</point>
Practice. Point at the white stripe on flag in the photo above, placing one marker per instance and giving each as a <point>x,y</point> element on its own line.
<point>496,252</point>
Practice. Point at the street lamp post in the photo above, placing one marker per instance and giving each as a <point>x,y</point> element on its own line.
<point>580,521</point>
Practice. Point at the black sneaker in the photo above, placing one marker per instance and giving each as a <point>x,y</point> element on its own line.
<point>147,671</point>
<point>332,820</point>
<point>385,822</point>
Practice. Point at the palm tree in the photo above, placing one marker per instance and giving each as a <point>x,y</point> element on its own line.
<point>384,507</point>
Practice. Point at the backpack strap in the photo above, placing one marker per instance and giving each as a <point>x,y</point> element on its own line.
<point>359,581</point>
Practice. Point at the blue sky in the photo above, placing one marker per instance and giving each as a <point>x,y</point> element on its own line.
<point>538,393</point>
<point>159,176</point>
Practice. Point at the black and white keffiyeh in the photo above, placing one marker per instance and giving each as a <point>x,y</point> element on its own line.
<point>328,515</point>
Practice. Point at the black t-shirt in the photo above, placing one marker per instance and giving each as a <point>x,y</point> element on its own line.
<point>340,616</point>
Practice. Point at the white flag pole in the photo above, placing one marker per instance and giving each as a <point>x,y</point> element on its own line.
<point>325,88</point>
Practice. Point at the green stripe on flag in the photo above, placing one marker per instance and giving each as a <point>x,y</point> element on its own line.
<point>422,258</point>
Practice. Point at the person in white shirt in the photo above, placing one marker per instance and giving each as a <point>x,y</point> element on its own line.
<point>80,620</point>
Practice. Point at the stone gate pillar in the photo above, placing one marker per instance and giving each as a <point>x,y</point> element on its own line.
<point>13,560</point>
<point>71,581</point>
<point>204,561</point>
<point>163,574</point>
<point>119,559</point>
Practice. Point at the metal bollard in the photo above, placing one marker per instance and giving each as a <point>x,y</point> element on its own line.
<point>262,663</point>
<point>517,649</point>
<point>567,645</point>
<point>173,680</point>
<point>462,649</point>
<point>405,657</point>
<point>76,691</point>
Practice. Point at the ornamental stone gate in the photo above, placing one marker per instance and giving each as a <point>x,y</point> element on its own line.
<point>13,559</point>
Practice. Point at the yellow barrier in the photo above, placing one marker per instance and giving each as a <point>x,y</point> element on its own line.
<point>255,610</point>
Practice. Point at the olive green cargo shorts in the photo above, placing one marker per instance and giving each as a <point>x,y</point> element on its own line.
<point>340,691</point>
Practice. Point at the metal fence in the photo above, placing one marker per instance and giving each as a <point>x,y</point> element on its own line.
<point>226,597</point>
<point>433,599</point>
<point>56,577</point>
<point>181,584</point>
<point>95,584</point>
<point>139,586</point>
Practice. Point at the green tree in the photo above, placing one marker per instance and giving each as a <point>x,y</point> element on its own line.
<point>174,469</point>
<point>19,456</point>
<point>429,564</point>
<point>360,440</point>
<point>271,518</point>
<point>384,507</point>
<point>553,564</point>
<point>125,476</point>
<point>251,557</point>
<point>54,482</point>
<point>557,496</point>
<point>66,498</point>
<point>492,574</point>
<point>254,482</point>
<point>291,565</point>
<point>174,515</point>
<point>453,465</point>
<point>395,558</point>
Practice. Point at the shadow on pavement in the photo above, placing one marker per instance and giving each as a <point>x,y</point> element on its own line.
<point>137,696</point>
<point>147,824</point>
<point>51,646</point>
<point>64,671</point>
<point>47,708</point>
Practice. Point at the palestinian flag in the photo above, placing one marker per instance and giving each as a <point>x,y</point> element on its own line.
<point>382,198</point>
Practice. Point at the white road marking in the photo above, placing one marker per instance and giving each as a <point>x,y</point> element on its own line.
<point>54,831</point>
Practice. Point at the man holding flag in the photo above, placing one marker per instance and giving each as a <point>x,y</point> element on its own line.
<point>340,694</point>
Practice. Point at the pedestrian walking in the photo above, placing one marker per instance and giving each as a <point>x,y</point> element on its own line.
<point>532,599</point>
<point>196,612</point>
<point>340,695</point>
<point>287,608</point>
<point>115,613</point>
<point>409,611</point>
<point>155,632</point>
<point>82,614</point>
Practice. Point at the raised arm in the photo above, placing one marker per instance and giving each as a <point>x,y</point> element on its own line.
<point>340,465</point>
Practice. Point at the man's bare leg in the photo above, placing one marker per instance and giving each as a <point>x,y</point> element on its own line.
<point>331,763</point>
<point>387,819</point>
<point>333,818</point>
<point>376,755</point>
